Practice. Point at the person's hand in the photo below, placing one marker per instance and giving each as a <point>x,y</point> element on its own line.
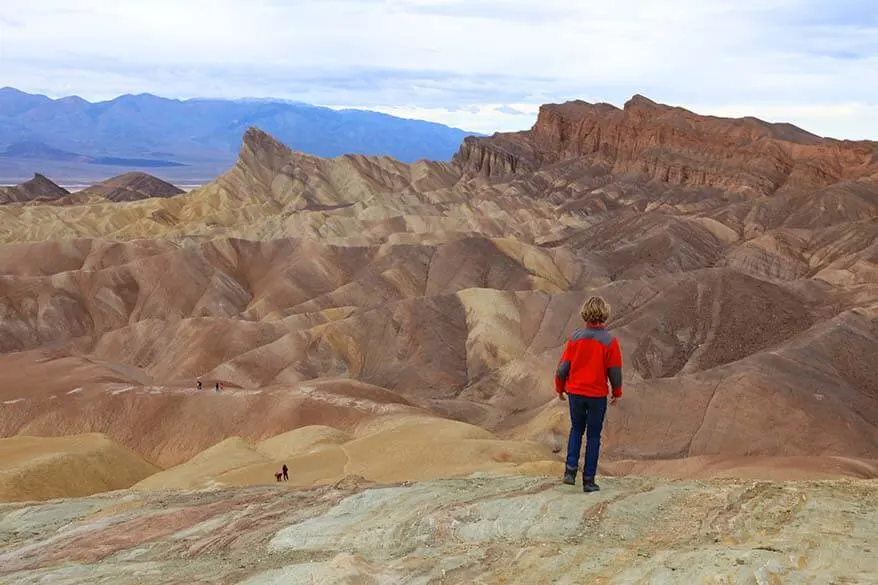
<point>614,400</point>
<point>561,395</point>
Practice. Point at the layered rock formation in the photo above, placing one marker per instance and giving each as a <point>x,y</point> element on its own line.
<point>674,146</point>
<point>130,187</point>
<point>454,532</point>
<point>345,292</point>
<point>40,188</point>
<point>133,186</point>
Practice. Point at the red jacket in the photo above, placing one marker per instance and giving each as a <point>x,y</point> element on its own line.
<point>591,357</point>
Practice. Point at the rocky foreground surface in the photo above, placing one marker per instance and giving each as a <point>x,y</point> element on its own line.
<point>482,529</point>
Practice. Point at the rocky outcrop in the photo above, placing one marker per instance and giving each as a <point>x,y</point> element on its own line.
<point>40,188</point>
<point>674,146</point>
<point>131,187</point>
<point>272,173</point>
<point>501,156</point>
<point>260,151</point>
<point>483,529</point>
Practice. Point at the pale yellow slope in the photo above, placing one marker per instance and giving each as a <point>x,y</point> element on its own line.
<point>301,441</point>
<point>417,448</point>
<point>41,468</point>
<point>200,471</point>
<point>394,449</point>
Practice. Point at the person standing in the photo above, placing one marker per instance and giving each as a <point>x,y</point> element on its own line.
<point>591,357</point>
<point>285,471</point>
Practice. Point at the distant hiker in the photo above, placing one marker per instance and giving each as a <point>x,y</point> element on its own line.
<point>222,386</point>
<point>278,475</point>
<point>198,384</point>
<point>591,357</point>
<point>216,387</point>
<point>285,471</point>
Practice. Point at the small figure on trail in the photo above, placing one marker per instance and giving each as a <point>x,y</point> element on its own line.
<point>216,387</point>
<point>222,386</point>
<point>591,357</point>
<point>285,471</point>
<point>278,475</point>
<point>198,384</point>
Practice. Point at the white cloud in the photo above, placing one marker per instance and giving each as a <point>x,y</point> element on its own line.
<point>854,120</point>
<point>484,118</point>
<point>802,61</point>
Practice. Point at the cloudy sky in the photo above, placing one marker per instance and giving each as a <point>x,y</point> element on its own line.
<point>482,65</point>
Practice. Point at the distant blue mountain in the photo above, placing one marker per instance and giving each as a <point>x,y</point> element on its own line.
<point>43,152</point>
<point>150,131</point>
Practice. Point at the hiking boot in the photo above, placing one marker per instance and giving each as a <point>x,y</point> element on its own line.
<point>570,476</point>
<point>588,485</point>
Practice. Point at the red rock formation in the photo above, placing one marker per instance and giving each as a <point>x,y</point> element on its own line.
<point>673,145</point>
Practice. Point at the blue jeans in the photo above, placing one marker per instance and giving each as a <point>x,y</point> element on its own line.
<point>586,418</point>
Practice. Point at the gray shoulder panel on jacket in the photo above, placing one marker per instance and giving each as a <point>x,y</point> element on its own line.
<point>601,335</point>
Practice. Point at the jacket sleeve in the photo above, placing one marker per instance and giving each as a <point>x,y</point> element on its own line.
<point>563,371</point>
<point>614,367</point>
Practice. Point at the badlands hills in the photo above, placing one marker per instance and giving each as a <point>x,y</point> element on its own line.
<point>403,321</point>
<point>132,186</point>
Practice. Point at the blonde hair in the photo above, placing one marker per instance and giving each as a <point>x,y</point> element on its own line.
<point>595,310</point>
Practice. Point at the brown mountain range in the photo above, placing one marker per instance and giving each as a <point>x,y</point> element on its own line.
<point>131,187</point>
<point>419,310</point>
<point>39,188</point>
<point>134,186</point>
